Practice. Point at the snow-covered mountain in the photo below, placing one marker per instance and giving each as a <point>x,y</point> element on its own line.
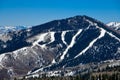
<point>6,29</point>
<point>61,45</point>
<point>114,25</point>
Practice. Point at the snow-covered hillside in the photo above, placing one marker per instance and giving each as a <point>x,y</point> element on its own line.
<point>58,46</point>
<point>5,29</point>
<point>114,25</point>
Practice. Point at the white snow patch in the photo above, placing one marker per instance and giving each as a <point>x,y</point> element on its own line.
<point>33,76</point>
<point>40,38</point>
<point>53,61</point>
<point>41,69</point>
<point>70,73</point>
<point>118,50</point>
<point>71,44</point>
<point>63,37</point>
<point>115,25</point>
<point>114,64</point>
<point>4,46</point>
<point>52,37</point>
<point>29,29</point>
<point>1,58</point>
<point>53,73</point>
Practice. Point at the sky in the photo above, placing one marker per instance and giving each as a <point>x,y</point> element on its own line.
<point>35,12</point>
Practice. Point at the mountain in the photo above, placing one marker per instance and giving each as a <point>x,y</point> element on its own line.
<point>114,25</point>
<point>6,29</point>
<point>59,48</point>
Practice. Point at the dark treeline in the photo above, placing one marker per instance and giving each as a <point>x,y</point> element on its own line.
<point>109,73</point>
<point>100,76</point>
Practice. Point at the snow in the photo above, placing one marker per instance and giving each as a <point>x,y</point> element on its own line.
<point>70,73</point>
<point>102,33</point>
<point>4,46</point>
<point>63,37</point>
<point>10,72</point>
<point>53,73</point>
<point>41,69</point>
<point>52,34</point>
<point>29,29</point>
<point>113,36</point>
<point>40,38</point>
<point>118,50</point>
<point>33,76</point>
<point>5,37</point>
<point>6,29</point>
<point>114,63</point>
<point>53,61</point>
<point>28,72</point>
<point>48,74</point>
<point>1,57</point>
<point>71,44</point>
<point>111,24</point>
<point>115,25</point>
<point>100,36</point>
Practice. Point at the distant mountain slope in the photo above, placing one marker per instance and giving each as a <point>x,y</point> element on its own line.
<point>58,45</point>
<point>114,25</point>
<point>5,29</point>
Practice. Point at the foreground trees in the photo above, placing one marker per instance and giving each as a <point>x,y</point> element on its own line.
<point>94,76</point>
<point>110,73</point>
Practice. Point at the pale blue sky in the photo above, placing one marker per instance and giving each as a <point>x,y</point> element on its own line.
<point>34,12</point>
